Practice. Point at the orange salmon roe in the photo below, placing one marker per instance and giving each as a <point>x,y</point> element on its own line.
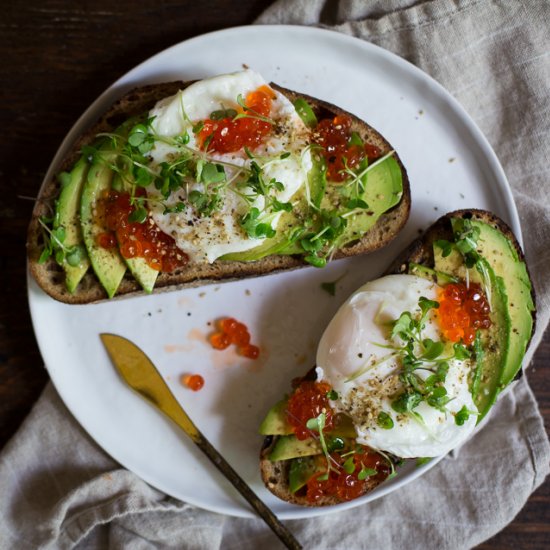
<point>250,351</point>
<point>228,135</point>
<point>308,401</point>
<point>234,332</point>
<point>134,239</point>
<point>334,136</point>
<point>347,486</point>
<point>193,381</point>
<point>462,311</point>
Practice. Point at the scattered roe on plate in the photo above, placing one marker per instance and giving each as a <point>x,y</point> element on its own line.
<point>462,311</point>
<point>230,331</point>
<point>194,382</point>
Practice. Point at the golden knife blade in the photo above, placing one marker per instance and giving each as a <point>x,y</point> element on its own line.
<point>141,375</point>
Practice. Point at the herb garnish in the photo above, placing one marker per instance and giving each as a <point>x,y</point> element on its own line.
<point>463,414</point>
<point>466,236</point>
<point>317,424</point>
<point>54,243</point>
<point>418,354</point>
<point>384,420</point>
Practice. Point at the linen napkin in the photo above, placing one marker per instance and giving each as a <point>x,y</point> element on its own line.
<point>60,490</point>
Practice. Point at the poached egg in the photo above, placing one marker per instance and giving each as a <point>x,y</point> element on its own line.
<point>356,356</point>
<point>209,237</point>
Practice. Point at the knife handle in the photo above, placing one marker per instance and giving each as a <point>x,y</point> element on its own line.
<point>264,512</point>
<point>177,414</point>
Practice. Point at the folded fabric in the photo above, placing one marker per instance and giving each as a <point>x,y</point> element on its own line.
<point>60,490</point>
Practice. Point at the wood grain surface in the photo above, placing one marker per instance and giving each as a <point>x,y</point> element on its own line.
<point>57,57</point>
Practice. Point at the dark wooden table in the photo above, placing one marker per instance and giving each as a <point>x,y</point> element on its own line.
<point>57,57</point>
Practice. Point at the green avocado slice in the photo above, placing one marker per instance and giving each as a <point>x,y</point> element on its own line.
<point>503,258</point>
<point>107,264</point>
<point>302,470</point>
<point>142,272</point>
<point>289,446</point>
<point>275,422</point>
<point>67,210</point>
<point>383,190</point>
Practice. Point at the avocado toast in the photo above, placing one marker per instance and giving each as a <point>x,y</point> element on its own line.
<point>153,196</point>
<point>448,327</point>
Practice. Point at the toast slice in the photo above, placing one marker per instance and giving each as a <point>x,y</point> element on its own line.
<point>520,304</point>
<point>51,277</point>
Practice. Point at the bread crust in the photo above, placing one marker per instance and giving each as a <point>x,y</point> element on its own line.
<point>50,276</point>
<point>275,474</point>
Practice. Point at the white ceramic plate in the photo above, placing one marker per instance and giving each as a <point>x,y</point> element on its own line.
<point>450,166</point>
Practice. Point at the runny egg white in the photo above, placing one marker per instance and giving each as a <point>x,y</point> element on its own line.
<point>359,339</point>
<point>209,237</point>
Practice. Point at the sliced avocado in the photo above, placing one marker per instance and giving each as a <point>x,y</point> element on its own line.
<point>108,264</point>
<point>317,181</point>
<point>142,272</point>
<point>302,470</point>
<point>383,190</point>
<point>289,446</point>
<point>67,216</point>
<point>502,256</point>
<point>431,274</point>
<point>496,339</point>
<point>275,422</point>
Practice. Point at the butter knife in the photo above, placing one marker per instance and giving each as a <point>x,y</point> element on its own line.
<point>141,375</point>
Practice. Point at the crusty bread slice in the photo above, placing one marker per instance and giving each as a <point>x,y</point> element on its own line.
<point>50,275</point>
<point>420,251</point>
<point>275,474</point>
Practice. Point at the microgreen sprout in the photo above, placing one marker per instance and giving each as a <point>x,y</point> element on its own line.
<point>317,424</point>
<point>461,417</point>
<point>332,395</point>
<point>54,244</point>
<point>384,420</point>
<point>254,114</point>
<point>365,473</point>
<point>393,471</point>
<point>466,236</point>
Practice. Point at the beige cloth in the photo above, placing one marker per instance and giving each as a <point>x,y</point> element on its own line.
<point>60,490</point>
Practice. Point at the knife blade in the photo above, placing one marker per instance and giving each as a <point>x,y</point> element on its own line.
<point>139,372</point>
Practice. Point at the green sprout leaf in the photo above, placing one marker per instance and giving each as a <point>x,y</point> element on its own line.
<point>332,395</point>
<point>461,417</point>
<point>335,444</point>
<point>402,326</point>
<point>365,473</point>
<point>349,465</point>
<point>406,402</point>
<point>384,420</point>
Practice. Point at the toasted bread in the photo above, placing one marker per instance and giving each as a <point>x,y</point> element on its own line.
<point>50,276</point>
<point>275,474</point>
